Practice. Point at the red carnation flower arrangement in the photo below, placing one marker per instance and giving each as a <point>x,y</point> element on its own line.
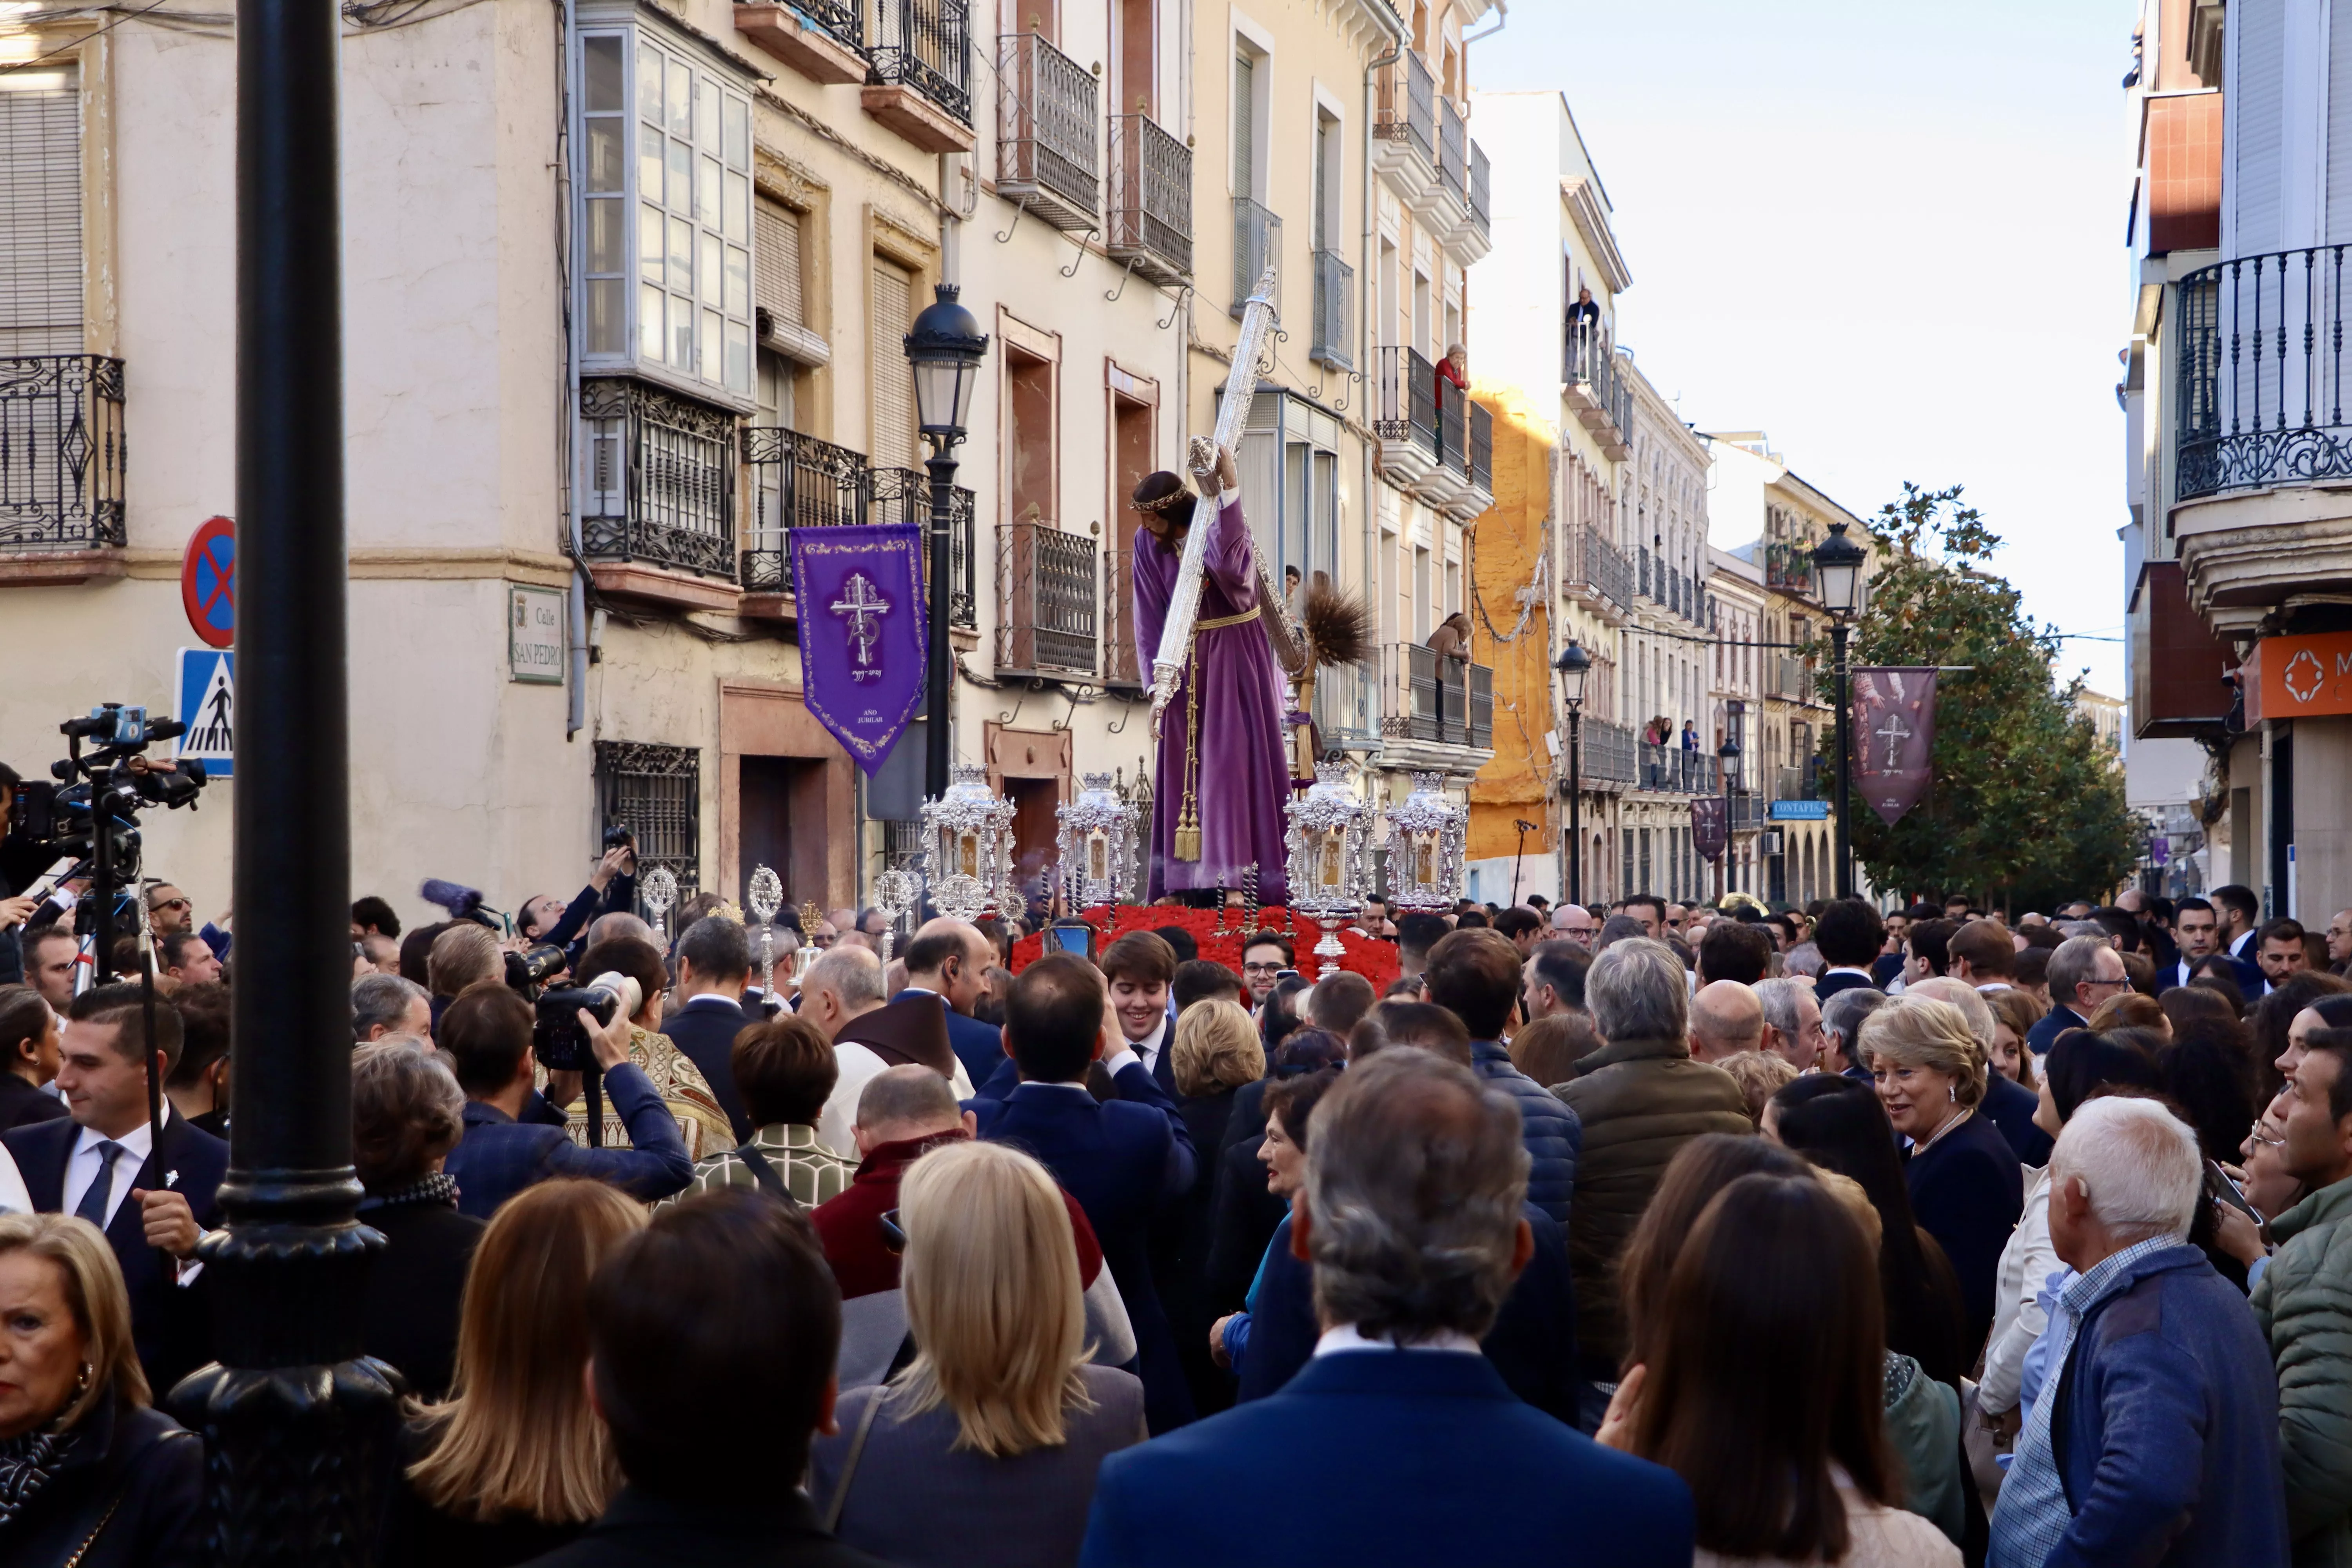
<point>1371,957</point>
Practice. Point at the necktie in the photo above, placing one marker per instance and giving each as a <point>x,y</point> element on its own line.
<point>93,1207</point>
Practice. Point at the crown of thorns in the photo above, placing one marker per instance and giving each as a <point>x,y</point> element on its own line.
<point>1163,492</point>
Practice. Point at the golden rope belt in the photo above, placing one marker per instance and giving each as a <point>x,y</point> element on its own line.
<point>1188,821</point>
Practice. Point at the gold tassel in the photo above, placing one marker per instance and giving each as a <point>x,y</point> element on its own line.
<point>1188,834</point>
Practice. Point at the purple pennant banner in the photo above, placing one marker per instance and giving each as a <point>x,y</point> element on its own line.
<point>1894,732</point>
<point>1710,824</point>
<point>864,639</point>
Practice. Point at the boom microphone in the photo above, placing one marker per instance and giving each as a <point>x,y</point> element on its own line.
<point>460,901</point>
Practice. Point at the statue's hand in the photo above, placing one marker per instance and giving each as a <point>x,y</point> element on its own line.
<point>1228,477</point>
<point>1200,459</point>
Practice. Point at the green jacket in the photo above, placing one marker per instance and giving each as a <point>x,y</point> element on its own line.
<point>2304,1305</point>
<point>1640,1100</point>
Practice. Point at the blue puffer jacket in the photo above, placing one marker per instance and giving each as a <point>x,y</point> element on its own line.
<point>2166,1431</point>
<point>1553,1135</point>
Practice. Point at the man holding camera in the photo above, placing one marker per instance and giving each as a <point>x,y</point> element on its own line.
<point>613,885</point>
<point>486,1035</point>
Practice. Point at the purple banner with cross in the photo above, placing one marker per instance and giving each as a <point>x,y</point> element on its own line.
<point>865,637</point>
<point>1894,736</point>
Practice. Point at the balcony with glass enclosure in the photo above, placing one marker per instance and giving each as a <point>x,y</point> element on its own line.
<point>1047,132</point>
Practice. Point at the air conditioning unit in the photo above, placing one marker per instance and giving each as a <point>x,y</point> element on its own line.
<point>1768,842</point>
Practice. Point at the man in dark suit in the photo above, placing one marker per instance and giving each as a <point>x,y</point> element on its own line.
<point>702,1424</point>
<point>1848,933</point>
<point>713,960</point>
<point>950,960</point>
<point>1412,1218</point>
<point>154,1196</point>
<point>1123,1159</point>
<point>2083,972</point>
<point>2196,925</point>
<point>2242,917</point>
<point>487,1035</point>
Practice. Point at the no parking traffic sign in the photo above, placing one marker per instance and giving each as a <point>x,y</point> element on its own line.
<point>209,582</point>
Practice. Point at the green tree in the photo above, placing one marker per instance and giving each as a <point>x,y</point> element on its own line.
<point>2025,806</point>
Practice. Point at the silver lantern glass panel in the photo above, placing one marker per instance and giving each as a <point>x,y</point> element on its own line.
<point>765,894</point>
<point>895,891</point>
<point>968,839</point>
<point>1428,845</point>
<point>1330,863</point>
<point>658,890</point>
<point>1095,844</point>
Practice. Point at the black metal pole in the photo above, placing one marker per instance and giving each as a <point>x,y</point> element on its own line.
<point>1575,812</point>
<point>1844,769</point>
<point>298,1426</point>
<point>936,749</point>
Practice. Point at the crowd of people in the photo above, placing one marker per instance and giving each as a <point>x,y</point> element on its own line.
<point>1645,1233</point>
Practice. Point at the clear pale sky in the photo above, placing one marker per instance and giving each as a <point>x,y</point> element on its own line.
<point>1890,236</point>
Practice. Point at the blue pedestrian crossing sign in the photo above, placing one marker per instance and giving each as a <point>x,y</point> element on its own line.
<point>206,703</point>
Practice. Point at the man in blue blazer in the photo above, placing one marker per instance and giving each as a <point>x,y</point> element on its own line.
<point>950,959</point>
<point>1123,1159</point>
<point>150,1195</point>
<point>2083,972</point>
<point>487,1035</point>
<point>1397,1443</point>
<point>713,961</point>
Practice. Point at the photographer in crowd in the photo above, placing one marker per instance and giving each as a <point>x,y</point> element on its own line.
<point>486,1035</point>
<point>612,886</point>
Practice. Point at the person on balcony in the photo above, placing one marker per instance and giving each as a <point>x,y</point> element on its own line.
<point>1222,775</point>
<point>1584,332</point>
<point>1454,369</point>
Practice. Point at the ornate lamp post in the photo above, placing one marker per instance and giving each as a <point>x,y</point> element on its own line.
<point>1098,845</point>
<point>1329,828</point>
<point>1728,753</point>
<point>1427,839</point>
<point>1837,569</point>
<point>1574,668</point>
<point>946,348</point>
<point>970,858</point>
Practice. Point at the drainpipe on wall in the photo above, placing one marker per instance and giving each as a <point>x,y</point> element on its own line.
<point>575,716</point>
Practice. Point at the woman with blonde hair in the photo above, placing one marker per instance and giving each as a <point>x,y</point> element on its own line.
<point>995,1432</point>
<point>1966,1185</point>
<point>89,1473</point>
<point>515,1463</point>
<point>1217,1052</point>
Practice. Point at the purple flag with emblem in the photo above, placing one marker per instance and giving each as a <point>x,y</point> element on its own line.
<point>1710,824</point>
<point>1894,733</point>
<point>865,637</point>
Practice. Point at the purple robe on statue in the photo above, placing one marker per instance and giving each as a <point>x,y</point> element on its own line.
<point>1243,780</point>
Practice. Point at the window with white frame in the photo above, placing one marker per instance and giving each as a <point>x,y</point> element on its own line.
<point>665,184</point>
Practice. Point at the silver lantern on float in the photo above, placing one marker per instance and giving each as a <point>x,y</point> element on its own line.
<point>1096,845</point>
<point>765,894</point>
<point>1428,842</point>
<point>1328,861</point>
<point>968,837</point>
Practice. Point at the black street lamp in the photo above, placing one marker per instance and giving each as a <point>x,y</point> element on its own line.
<point>1730,753</point>
<point>297,1425</point>
<point>1837,569</point>
<point>1574,666</point>
<point>946,348</point>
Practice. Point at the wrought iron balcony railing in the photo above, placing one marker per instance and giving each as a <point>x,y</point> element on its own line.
<point>2260,374</point>
<point>1588,367</point>
<point>1258,245</point>
<point>925,45</point>
<point>1122,665</point>
<point>1482,446</point>
<point>797,481</point>
<point>1788,566</point>
<point>1408,399</point>
<point>1407,111</point>
<point>1335,313</point>
<point>62,453</point>
<point>1046,132</point>
<point>1453,427</point>
<point>1480,198</point>
<point>660,481</point>
<point>1669,767</point>
<point>1608,752</point>
<point>1433,697</point>
<point>1150,199</point>
<point>904,495</point>
<point>1453,150</point>
<point>1591,566</point>
<point>1347,709</point>
<point>1049,591</point>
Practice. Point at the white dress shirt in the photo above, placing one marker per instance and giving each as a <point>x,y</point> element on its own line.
<point>1147,1049</point>
<point>1345,1337</point>
<point>83,1168</point>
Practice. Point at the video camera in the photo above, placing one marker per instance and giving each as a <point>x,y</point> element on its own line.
<point>112,783</point>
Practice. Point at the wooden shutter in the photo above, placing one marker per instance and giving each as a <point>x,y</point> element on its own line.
<point>893,442</point>
<point>779,240</point>
<point>41,212</point>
